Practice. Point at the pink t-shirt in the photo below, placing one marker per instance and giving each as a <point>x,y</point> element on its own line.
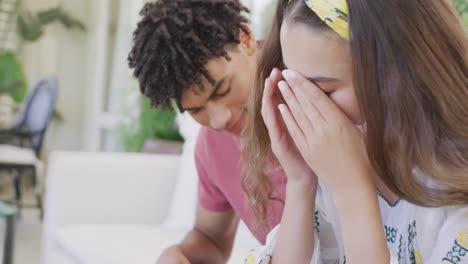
<point>218,160</point>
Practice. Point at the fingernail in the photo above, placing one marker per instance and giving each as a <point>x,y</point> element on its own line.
<point>287,74</point>
<point>282,86</point>
<point>282,108</point>
<point>272,72</point>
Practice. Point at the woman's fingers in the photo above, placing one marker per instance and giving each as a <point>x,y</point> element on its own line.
<point>293,128</point>
<point>296,109</point>
<point>269,109</point>
<point>316,103</point>
<point>275,76</point>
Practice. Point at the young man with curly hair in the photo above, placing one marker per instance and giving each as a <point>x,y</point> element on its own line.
<point>202,55</point>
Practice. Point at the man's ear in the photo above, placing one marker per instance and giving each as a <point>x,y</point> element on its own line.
<point>248,43</point>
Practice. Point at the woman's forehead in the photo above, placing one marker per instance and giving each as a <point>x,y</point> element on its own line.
<point>312,52</point>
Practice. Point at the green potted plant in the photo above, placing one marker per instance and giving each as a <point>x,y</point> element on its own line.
<point>462,6</point>
<point>12,78</point>
<point>30,26</point>
<point>153,131</point>
<point>12,88</point>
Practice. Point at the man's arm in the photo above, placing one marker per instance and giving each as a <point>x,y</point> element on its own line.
<point>210,241</point>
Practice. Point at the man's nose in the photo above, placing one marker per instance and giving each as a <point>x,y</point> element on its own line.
<point>219,116</point>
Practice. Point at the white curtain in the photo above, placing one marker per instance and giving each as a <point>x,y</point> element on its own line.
<point>121,78</point>
<point>123,89</point>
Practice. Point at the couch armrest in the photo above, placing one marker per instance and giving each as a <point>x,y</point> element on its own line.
<point>108,188</point>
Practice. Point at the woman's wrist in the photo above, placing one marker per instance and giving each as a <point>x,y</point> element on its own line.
<point>304,178</point>
<point>356,179</point>
<point>301,194</point>
<point>303,186</point>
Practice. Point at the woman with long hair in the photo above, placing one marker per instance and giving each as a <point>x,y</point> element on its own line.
<point>364,105</point>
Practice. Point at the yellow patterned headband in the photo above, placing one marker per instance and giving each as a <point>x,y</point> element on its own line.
<point>333,12</point>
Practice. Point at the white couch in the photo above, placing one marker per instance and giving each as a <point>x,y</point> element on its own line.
<point>121,208</point>
<point>111,208</point>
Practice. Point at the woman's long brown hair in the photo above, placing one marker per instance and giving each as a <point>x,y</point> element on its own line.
<point>410,74</point>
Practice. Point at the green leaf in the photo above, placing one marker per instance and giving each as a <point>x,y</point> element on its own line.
<point>58,14</point>
<point>29,26</point>
<point>152,123</point>
<point>49,16</point>
<point>57,116</point>
<point>462,7</point>
<point>12,77</point>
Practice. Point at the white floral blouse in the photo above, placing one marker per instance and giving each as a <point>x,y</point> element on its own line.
<point>414,234</point>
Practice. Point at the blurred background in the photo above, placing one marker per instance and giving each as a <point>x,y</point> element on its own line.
<point>63,71</point>
<point>85,45</point>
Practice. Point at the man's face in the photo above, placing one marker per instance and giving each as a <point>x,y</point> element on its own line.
<point>223,106</point>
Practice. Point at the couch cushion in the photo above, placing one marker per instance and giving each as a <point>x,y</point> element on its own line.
<point>119,244</point>
<point>184,201</point>
<point>17,155</point>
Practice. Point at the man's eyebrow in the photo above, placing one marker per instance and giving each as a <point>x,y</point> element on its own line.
<point>217,86</point>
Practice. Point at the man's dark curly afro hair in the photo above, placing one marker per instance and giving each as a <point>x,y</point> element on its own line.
<point>174,41</point>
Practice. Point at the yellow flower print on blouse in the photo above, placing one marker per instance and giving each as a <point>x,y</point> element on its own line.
<point>463,238</point>
<point>250,259</point>
<point>417,257</point>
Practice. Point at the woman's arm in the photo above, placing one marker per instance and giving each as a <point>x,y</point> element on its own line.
<point>361,224</point>
<point>296,236</point>
<point>210,241</point>
<point>334,148</point>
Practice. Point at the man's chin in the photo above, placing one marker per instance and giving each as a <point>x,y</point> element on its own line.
<point>238,134</point>
<point>234,133</point>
